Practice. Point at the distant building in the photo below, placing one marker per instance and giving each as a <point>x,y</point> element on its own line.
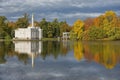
<point>66,35</point>
<point>29,33</point>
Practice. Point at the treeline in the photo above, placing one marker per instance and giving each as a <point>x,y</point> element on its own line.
<point>105,27</point>
<point>53,29</point>
<point>50,29</point>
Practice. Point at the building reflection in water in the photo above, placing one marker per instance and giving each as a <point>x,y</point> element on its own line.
<point>104,53</point>
<point>31,48</point>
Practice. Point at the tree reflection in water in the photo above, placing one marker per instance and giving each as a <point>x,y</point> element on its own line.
<point>55,49</point>
<point>106,53</point>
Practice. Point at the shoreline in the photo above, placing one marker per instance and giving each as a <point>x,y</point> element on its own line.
<point>54,39</point>
<point>44,39</point>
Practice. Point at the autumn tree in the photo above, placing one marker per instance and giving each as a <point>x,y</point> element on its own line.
<point>88,23</point>
<point>108,22</point>
<point>105,26</point>
<point>78,28</point>
<point>94,33</point>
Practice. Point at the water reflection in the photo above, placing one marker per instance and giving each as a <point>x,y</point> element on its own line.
<point>55,49</point>
<point>31,48</point>
<point>2,55</point>
<point>44,49</point>
<point>105,53</point>
<point>78,51</point>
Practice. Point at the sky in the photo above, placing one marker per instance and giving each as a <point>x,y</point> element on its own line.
<point>63,10</point>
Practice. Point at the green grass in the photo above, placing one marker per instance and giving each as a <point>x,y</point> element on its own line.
<point>49,39</point>
<point>43,39</point>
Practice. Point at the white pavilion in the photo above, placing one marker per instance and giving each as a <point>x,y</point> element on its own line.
<point>29,33</point>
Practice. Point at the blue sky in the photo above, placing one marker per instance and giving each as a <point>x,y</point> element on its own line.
<point>69,10</point>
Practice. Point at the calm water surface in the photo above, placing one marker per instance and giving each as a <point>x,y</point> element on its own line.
<point>60,60</point>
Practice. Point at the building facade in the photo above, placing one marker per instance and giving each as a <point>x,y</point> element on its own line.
<point>29,33</point>
<point>66,35</point>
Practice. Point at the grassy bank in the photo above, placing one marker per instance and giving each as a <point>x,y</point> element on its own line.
<point>55,39</point>
<point>6,40</point>
<point>43,39</point>
<point>50,39</point>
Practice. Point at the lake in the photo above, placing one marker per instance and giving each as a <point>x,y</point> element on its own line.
<point>64,60</point>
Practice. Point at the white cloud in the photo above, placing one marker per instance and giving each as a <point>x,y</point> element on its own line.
<point>68,15</point>
<point>95,3</point>
<point>82,15</point>
<point>62,9</point>
<point>79,5</point>
<point>15,17</point>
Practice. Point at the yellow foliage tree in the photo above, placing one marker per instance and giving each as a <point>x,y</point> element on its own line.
<point>78,28</point>
<point>109,19</point>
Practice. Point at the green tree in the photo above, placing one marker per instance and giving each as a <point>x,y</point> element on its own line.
<point>44,25</point>
<point>23,22</point>
<point>56,28</point>
<point>4,29</point>
<point>50,31</point>
<point>114,33</point>
<point>12,26</point>
<point>95,33</point>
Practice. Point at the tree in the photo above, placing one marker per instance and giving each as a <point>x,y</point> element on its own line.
<point>88,23</point>
<point>114,33</point>
<point>4,29</point>
<point>12,26</point>
<point>50,31</point>
<point>95,33</point>
<point>78,28</point>
<point>108,21</point>
<point>64,27</point>
<point>44,25</point>
<point>56,27</point>
<point>23,22</point>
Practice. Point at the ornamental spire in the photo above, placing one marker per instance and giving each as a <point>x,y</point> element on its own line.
<point>32,20</point>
